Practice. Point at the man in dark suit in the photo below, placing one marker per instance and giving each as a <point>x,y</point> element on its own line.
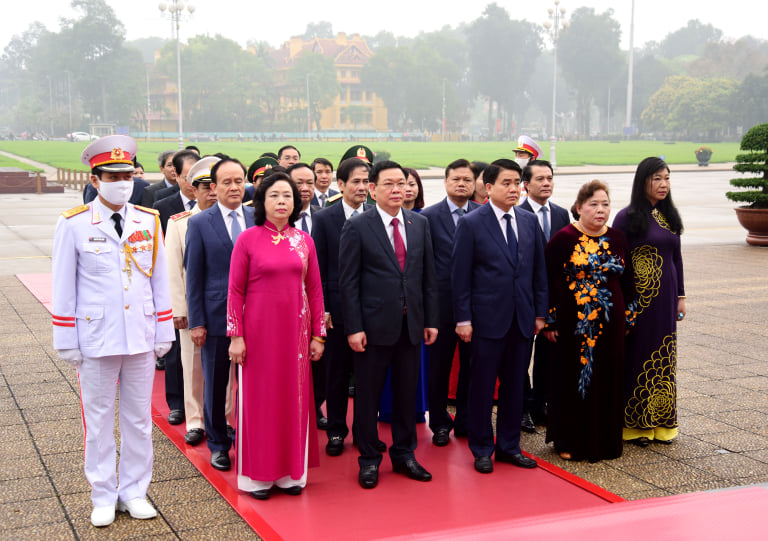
<point>165,161</point>
<point>183,197</point>
<point>500,300</point>
<point>538,180</point>
<point>443,217</point>
<point>352,178</point>
<point>167,207</point>
<point>323,169</point>
<point>211,236</point>
<point>387,274</point>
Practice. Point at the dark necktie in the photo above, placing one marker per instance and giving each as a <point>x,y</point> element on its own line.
<point>511,239</point>
<point>458,213</point>
<point>304,222</point>
<point>399,244</point>
<point>119,228</point>
<point>236,229</point>
<point>545,222</point>
<point>191,204</point>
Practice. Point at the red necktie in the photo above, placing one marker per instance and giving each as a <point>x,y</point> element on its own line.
<point>399,244</point>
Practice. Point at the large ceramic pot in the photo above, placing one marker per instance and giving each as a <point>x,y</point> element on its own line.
<point>755,221</point>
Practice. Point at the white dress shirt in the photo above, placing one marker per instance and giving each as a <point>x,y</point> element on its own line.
<point>503,222</point>
<point>348,210</point>
<point>542,215</point>
<point>386,218</point>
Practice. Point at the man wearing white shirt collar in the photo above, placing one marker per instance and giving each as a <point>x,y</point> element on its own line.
<point>539,181</point>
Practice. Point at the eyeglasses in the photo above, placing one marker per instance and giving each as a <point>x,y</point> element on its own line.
<point>389,186</point>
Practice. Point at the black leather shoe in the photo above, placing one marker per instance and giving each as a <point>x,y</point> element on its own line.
<point>351,391</point>
<point>335,446</point>
<point>412,469</point>
<point>260,494</point>
<point>518,460</point>
<point>294,490</point>
<point>368,476</point>
<point>194,436</point>
<point>640,442</point>
<point>526,424</point>
<point>322,421</point>
<point>160,363</point>
<point>176,417</point>
<point>441,437</point>
<point>483,464</point>
<point>220,460</point>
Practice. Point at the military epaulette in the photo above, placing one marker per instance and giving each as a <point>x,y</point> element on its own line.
<point>75,211</point>
<point>333,199</point>
<point>181,215</point>
<point>147,210</point>
<point>248,203</point>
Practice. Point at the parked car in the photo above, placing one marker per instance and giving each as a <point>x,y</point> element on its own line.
<point>79,136</point>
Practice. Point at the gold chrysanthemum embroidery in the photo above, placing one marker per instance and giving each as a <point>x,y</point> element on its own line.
<point>647,263</point>
<point>653,401</point>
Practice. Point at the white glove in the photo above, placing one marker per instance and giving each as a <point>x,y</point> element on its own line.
<point>72,356</point>
<point>161,348</point>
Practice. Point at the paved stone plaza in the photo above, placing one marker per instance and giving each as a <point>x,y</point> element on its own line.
<point>722,381</point>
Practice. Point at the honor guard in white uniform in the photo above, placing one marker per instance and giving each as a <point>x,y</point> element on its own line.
<point>111,316</point>
<point>200,178</point>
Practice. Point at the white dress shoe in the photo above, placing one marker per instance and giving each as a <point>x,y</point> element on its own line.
<point>137,508</point>
<point>103,516</point>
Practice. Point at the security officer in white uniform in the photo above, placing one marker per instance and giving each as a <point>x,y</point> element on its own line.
<point>112,316</point>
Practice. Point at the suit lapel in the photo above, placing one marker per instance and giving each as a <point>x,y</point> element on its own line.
<point>217,224</point>
<point>446,219</point>
<point>412,232</point>
<point>377,227</point>
<point>492,224</point>
<point>248,215</point>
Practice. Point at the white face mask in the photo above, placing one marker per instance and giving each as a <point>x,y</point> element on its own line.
<point>522,162</point>
<point>117,193</point>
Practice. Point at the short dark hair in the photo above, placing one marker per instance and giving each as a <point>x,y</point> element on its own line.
<point>419,203</point>
<point>218,164</point>
<point>136,165</point>
<point>193,148</point>
<point>585,192</point>
<point>163,157</point>
<point>300,165</point>
<point>260,213</point>
<point>183,156</point>
<point>321,161</point>
<point>286,147</point>
<point>527,171</point>
<point>477,168</point>
<point>348,166</point>
<point>378,167</point>
<point>456,164</point>
<point>269,155</point>
<point>491,173</point>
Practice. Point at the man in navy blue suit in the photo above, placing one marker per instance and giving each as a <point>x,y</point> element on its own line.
<point>211,236</point>
<point>538,179</point>
<point>387,274</point>
<point>500,300</point>
<point>323,170</point>
<point>352,178</point>
<point>443,217</point>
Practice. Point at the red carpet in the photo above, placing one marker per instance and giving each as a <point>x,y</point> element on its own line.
<point>458,503</point>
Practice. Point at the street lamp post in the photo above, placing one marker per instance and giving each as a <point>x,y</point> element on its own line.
<point>175,14</point>
<point>556,19</point>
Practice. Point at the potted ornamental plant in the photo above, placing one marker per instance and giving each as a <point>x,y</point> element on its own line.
<point>703,154</point>
<point>753,216</point>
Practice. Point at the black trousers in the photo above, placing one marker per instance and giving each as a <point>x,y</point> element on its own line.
<point>339,361</point>
<point>174,377</point>
<point>370,373</point>
<point>440,362</point>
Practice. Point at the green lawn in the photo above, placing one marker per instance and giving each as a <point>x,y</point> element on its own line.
<point>10,162</point>
<point>417,155</point>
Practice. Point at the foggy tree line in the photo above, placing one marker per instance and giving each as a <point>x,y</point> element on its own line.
<point>491,76</point>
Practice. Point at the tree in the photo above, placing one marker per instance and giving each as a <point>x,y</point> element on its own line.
<point>755,161</point>
<point>689,40</point>
<point>732,60</point>
<point>501,52</point>
<point>590,57</point>
<point>319,72</point>
<point>322,29</point>
<point>750,104</point>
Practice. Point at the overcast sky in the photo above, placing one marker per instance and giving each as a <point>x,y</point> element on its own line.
<point>276,21</point>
